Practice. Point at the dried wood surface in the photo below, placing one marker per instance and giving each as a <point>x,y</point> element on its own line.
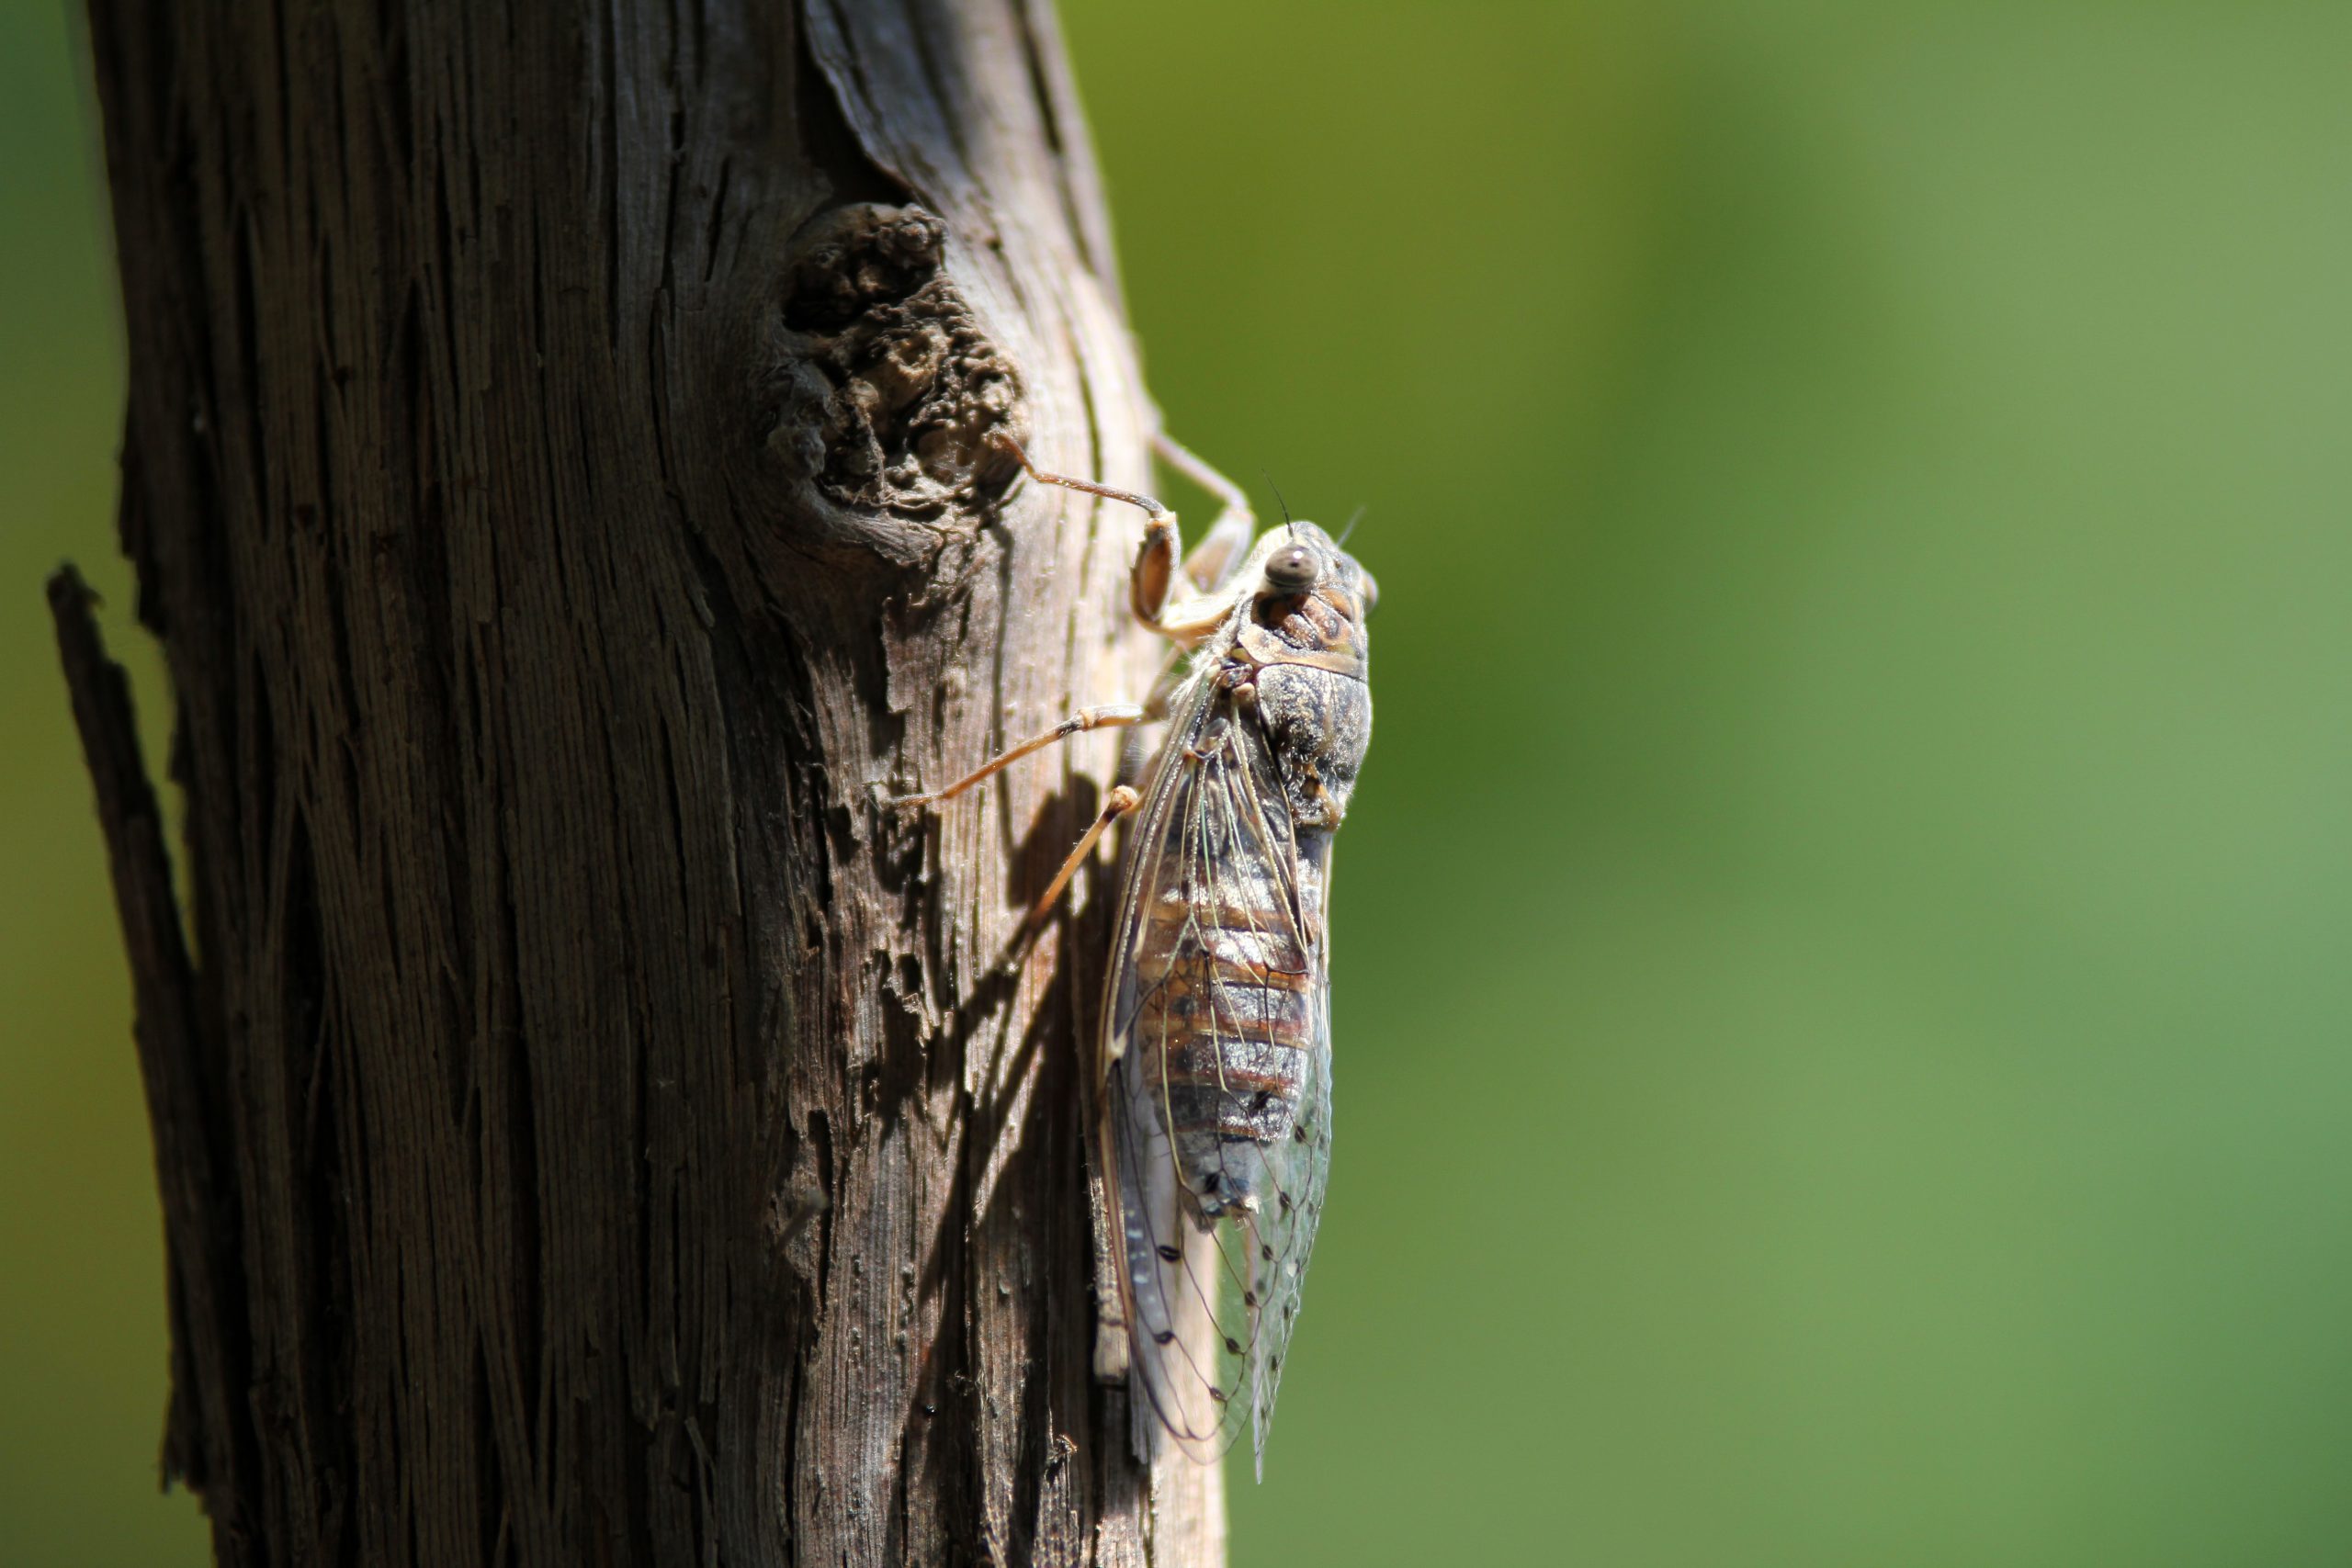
<point>559,466</point>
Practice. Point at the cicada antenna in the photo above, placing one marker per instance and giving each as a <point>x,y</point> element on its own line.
<point>1288,522</point>
<point>1356,518</point>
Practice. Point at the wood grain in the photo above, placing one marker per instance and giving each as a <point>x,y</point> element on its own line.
<point>560,467</point>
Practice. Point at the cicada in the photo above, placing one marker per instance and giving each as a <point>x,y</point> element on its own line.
<point>1214,1083</point>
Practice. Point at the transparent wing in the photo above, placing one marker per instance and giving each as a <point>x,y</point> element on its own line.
<point>1218,997</point>
<point>1297,1169</point>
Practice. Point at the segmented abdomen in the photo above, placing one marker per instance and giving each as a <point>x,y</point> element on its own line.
<point>1228,998</point>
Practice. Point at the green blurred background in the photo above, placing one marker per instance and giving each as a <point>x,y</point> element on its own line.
<point>1845,1018</point>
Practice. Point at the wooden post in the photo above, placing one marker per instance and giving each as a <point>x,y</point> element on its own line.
<point>562,467</point>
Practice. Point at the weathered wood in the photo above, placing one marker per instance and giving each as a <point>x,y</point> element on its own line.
<point>560,465</point>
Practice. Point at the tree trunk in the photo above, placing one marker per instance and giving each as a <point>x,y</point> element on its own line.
<point>562,465</point>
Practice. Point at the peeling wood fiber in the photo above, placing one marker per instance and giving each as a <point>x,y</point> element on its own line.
<point>561,466</point>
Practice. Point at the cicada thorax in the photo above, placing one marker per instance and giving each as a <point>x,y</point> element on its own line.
<point>1306,657</point>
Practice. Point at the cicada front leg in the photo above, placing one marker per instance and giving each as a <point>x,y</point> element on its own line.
<point>1160,563</point>
<point>1211,564</point>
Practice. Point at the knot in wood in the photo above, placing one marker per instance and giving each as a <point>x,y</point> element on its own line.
<point>893,395</point>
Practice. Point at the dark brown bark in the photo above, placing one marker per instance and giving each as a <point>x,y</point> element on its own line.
<point>560,467</point>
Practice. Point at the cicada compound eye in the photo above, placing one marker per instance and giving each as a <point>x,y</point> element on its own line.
<point>1292,569</point>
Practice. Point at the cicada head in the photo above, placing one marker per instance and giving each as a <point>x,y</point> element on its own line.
<point>1308,600</point>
